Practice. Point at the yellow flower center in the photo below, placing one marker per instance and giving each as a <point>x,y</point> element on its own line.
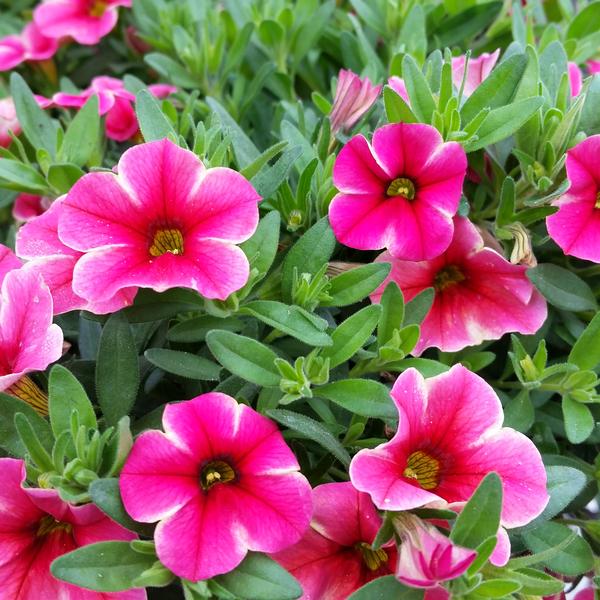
<point>401,186</point>
<point>446,277</point>
<point>597,204</point>
<point>424,469</point>
<point>374,559</point>
<point>216,471</point>
<point>29,392</point>
<point>166,240</point>
<point>98,8</point>
<point>49,524</point>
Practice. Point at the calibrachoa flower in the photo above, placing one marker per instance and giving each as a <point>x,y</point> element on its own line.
<point>427,557</point>
<point>222,479</point>
<point>575,79</point>
<point>399,193</point>
<point>449,437</point>
<point>398,85</point>
<point>8,262</point>
<point>353,98</point>
<point>164,221</point>
<point>29,341</point>
<point>9,121</point>
<point>576,225</point>
<point>478,70</point>
<point>30,45</point>
<point>335,557</point>
<point>479,295</point>
<point>593,66</point>
<point>38,243</point>
<point>29,206</point>
<point>37,527</point>
<point>115,102</point>
<point>86,21</point>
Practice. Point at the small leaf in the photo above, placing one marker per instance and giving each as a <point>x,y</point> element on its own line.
<point>82,135</point>
<point>384,588</point>
<point>261,248</point>
<point>356,284</point>
<point>579,421</point>
<point>392,314</point>
<point>360,396</point>
<point>416,309</point>
<point>562,288</point>
<point>154,125</point>
<point>184,364</point>
<point>586,350</point>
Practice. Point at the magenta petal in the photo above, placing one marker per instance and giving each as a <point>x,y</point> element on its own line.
<point>121,121</point>
<point>17,512</point>
<point>8,262</point>
<point>501,554</point>
<point>356,170</point>
<point>12,52</point>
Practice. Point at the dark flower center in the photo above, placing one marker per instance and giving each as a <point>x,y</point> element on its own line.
<point>49,524</point>
<point>424,469</point>
<point>446,277</point>
<point>216,471</point>
<point>401,186</point>
<point>374,559</point>
<point>166,240</point>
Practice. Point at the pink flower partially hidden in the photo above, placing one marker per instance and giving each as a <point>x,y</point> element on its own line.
<point>353,98</point>
<point>30,45</point>
<point>449,437</point>
<point>163,221</point>
<point>221,480</point>
<point>29,206</point>
<point>427,557</point>
<point>86,21</point>
<point>479,295</point>
<point>335,556</point>
<point>115,102</point>
<point>575,79</point>
<point>37,527</point>
<point>576,225</point>
<point>38,243</point>
<point>9,121</point>
<point>399,193</point>
<point>593,66</point>
<point>478,70</point>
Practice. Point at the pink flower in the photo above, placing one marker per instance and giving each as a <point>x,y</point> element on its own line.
<point>38,242</point>
<point>478,69</point>
<point>30,45</point>
<point>449,437</point>
<point>335,557</point>
<point>86,21</point>
<point>9,121</point>
<point>593,66</point>
<point>400,193</point>
<point>353,98</point>
<point>8,262</point>
<point>115,102</point>
<point>427,557</point>
<point>575,79</point>
<point>29,206</point>
<point>164,221</point>
<point>576,225</point>
<point>37,527</point>
<point>479,295</point>
<point>222,479</point>
<point>398,85</point>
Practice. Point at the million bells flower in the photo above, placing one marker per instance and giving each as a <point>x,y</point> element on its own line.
<point>163,221</point>
<point>399,193</point>
<point>449,437</point>
<point>221,478</point>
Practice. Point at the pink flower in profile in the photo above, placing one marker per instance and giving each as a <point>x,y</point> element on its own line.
<point>37,527</point>
<point>449,437</point>
<point>29,206</point>
<point>398,85</point>
<point>9,121</point>
<point>427,557</point>
<point>115,102</point>
<point>576,225</point>
<point>8,262</point>
<point>478,70</point>
<point>30,45</point>
<point>399,193</point>
<point>575,79</point>
<point>593,66</point>
<point>86,21</point>
<point>335,556</point>
<point>38,243</point>
<point>479,295</point>
<point>164,221</point>
<point>222,479</point>
<point>353,98</point>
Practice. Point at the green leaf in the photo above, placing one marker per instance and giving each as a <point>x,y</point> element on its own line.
<point>313,430</point>
<point>82,135</point>
<point>37,125</point>
<point>480,518</point>
<point>269,179</point>
<point>464,25</point>
<point>575,559</point>
<point>586,22</point>
<point>307,255</point>
<point>396,109</point>
<point>562,288</point>
<point>35,449</point>
<point>350,336</point>
<point>62,177</point>
<point>536,583</point>
<point>171,70</point>
<point>416,309</point>
<point>154,125</point>
<point>356,284</point>
<point>65,395</point>
<point>363,397</point>
<point>195,330</point>
<point>497,588</point>
<point>244,357</point>
<point>586,350</point>
<point>184,364</point>
<point>392,314</point>
<point>261,248</point>
<point>103,567</point>
<point>22,177</point>
<point>421,99</point>
<point>117,371</point>
<point>259,577</point>
<point>386,588</point>
<point>579,421</point>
